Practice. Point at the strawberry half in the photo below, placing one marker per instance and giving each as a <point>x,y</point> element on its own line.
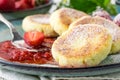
<point>33,38</point>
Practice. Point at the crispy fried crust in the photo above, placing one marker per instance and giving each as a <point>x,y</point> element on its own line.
<point>111,26</point>
<point>39,22</point>
<point>62,18</point>
<point>82,46</point>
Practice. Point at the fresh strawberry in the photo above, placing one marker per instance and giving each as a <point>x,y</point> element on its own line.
<point>33,38</point>
<point>46,1</point>
<point>7,5</point>
<point>33,3</point>
<point>24,4</point>
<point>20,5</point>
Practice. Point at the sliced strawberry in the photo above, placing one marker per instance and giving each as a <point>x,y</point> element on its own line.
<point>33,38</point>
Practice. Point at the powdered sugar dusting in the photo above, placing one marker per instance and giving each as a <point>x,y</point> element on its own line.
<point>41,19</point>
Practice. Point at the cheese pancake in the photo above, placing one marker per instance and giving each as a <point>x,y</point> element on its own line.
<point>111,26</point>
<point>82,46</point>
<point>62,18</point>
<point>39,22</point>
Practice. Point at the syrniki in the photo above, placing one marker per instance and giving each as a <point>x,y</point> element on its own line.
<point>82,46</point>
<point>39,22</point>
<point>62,18</point>
<point>111,26</point>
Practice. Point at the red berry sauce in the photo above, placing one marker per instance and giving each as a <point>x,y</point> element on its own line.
<point>14,54</point>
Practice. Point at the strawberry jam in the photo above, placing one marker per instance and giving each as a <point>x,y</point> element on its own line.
<point>14,54</point>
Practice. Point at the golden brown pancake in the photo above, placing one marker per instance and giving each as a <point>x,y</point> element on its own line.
<point>62,18</point>
<point>111,26</point>
<point>39,22</point>
<point>82,46</point>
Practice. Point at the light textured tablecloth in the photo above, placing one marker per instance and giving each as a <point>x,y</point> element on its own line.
<point>11,75</point>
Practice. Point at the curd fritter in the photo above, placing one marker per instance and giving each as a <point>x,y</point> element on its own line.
<point>82,46</point>
<point>111,26</point>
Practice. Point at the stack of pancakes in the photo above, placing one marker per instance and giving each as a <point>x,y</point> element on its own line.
<point>83,40</point>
